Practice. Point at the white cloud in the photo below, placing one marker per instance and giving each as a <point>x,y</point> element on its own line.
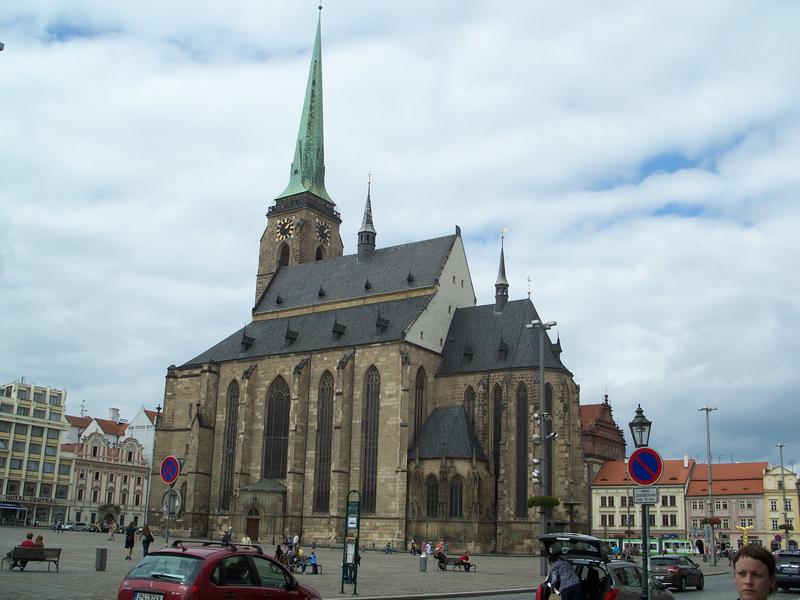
<point>144,143</point>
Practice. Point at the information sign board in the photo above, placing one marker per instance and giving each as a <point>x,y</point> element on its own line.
<point>645,495</point>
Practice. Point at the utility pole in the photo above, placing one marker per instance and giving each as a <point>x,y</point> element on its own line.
<point>707,410</point>
<point>783,489</point>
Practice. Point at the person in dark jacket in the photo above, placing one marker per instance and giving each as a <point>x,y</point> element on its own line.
<point>563,579</point>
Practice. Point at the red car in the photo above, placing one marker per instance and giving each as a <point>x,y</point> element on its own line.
<point>211,570</point>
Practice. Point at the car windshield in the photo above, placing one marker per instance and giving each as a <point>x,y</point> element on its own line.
<point>657,561</point>
<point>789,559</point>
<point>171,567</point>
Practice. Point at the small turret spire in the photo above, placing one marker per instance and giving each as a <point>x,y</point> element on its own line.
<point>308,166</point>
<point>367,233</point>
<point>501,285</point>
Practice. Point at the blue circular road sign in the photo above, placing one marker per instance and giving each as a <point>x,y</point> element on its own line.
<point>645,466</point>
<point>170,469</point>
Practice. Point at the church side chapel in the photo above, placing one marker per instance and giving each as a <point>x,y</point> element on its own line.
<point>372,371</point>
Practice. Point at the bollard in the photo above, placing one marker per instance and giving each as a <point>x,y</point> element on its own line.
<point>423,563</point>
<point>100,558</point>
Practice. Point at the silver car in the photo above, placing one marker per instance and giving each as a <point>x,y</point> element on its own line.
<point>601,577</point>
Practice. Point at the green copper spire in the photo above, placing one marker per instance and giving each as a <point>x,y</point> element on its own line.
<point>308,166</point>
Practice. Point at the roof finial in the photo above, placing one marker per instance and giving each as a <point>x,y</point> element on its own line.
<point>367,233</point>
<point>529,287</point>
<point>501,285</point>
<point>605,396</point>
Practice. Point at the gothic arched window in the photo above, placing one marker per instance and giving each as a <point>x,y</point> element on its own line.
<point>456,505</point>
<point>229,446</point>
<point>419,401</point>
<point>497,429</point>
<point>276,432</point>
<point>322,470</point>
<point>369,464</point>
<point>522,451</point>
<point>283,256</point>
<point>469,404</point>
<point>320,254</point>
<point>431,496</point>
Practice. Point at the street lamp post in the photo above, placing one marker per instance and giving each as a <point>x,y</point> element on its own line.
<point>713,543</point>
<point>783,489</point>
<point>640,431</point>
<point>544,438</point>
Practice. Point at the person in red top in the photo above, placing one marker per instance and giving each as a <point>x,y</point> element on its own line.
<point>464,560</point>
<point>26,543</point>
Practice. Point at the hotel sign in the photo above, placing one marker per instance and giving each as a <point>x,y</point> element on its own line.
<point>31,499</point>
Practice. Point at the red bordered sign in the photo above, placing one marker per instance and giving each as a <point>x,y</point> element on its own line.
<point>170,469</point>
<point>645,466</point>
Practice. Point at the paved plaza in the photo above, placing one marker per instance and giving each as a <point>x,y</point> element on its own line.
<point>380,575</point>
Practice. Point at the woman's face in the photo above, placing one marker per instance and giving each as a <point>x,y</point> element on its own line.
<point>753,581</point>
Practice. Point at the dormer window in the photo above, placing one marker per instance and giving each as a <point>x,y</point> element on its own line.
<point>130,455</point>
<point>95,451</point>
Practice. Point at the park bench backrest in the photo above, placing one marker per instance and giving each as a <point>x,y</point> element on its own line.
<point>36,553</point>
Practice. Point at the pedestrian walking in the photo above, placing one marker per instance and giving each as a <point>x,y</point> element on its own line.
<point>130,539</point>
<point>146,538</point>
<point>112,529</point>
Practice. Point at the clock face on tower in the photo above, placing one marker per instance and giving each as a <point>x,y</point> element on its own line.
<point>284,229</point>
<point>323,232</point>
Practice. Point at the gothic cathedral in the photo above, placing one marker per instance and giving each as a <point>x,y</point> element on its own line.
<point>376,372</point>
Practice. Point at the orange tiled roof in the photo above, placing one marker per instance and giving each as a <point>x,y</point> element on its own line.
<point>729,479</point>
<point>616,473</point>
<point>79,422</point>
<point>590,413</point>
<point>151,414</point>
<point>111,427</point>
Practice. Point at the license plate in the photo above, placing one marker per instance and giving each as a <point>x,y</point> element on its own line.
<point>147,596</point>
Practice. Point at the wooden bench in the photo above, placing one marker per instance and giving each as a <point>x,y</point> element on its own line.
<point>48,555</point>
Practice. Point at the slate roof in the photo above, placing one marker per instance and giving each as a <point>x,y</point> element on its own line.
<point>343,277</point>
<point>481,340</point>
<point>447,430</point>
<point>315,331</point>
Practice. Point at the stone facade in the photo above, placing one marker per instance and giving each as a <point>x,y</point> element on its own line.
<point>334,385</point>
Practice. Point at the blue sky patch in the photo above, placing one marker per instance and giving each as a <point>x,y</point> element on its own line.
<point>679,209</point>
<point>61,31</point>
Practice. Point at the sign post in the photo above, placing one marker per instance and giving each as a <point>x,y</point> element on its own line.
<point>170,470</point>
<point>352,530</point>
<point>645,467</point>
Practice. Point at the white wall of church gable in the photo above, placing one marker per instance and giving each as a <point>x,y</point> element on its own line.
<point>455,291</point>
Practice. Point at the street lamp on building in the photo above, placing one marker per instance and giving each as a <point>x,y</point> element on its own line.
<point>640,431</point>
<point>544,437</point>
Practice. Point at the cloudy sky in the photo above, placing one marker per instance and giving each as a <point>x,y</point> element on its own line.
<point>643,155</point>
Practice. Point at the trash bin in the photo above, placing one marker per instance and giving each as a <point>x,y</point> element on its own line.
<point>423,563</point>
<point>100,559</point>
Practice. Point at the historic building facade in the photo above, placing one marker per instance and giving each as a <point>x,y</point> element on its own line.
<point>373,372</point>
<point>602,441</point>
<point>34,472</point>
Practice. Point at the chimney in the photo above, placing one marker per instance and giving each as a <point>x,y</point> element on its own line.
<point>113,414</point>
<point>685,461</point>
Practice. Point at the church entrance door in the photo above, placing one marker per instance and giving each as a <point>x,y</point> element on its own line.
<point>253,524</point>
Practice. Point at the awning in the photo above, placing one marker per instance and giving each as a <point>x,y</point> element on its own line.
<point>12,506</point>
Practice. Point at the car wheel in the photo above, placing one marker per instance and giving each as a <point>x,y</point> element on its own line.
<point>700,583</point>
<point>682,584</point>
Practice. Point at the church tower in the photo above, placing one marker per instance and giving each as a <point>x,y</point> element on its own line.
<point>303,224</point>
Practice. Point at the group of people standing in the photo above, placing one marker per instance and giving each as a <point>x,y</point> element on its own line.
<point>440,554</point>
